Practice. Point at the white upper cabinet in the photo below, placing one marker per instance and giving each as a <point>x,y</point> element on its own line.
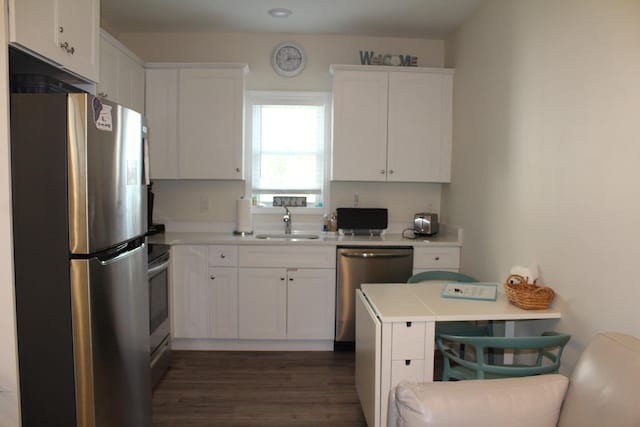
<point>392,124</point>
<point>162,117</point>
<point>419,130</point>
<point>199,109</point>
<point>121,74</point>
<point>360,126</point>
<point>64,32</point>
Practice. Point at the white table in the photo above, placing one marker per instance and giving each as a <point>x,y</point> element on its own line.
<point>395,334</point>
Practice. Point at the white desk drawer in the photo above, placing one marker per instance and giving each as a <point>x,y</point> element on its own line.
<point>223,256</point>
<point>407,340</point>
<point>407,370</point>
<point>436,258</point>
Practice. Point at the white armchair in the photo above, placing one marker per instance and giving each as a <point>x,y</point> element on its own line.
<point>602,391</point>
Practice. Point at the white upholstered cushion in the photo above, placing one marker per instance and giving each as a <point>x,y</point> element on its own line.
<point>523,402</point>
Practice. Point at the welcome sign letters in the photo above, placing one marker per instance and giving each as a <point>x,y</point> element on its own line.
<point>369,57</point>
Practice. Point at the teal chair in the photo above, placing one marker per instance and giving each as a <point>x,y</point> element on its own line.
<point>546,348</point>
<point>455,328</point>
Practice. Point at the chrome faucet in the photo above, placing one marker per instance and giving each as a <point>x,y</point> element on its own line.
<point>287,220</point>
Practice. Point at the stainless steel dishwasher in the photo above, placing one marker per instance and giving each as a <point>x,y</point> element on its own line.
<point>357,265</point>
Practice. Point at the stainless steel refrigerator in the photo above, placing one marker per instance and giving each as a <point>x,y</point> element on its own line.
<point>79,213</point>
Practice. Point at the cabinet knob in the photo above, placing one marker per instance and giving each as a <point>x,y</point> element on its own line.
<point>103,94</point>
<point>291,279</point>
<point>382,172</point>
<point>437,258</point>
<point>212,277</point>
<point>60,30</point>
<point>390,171</point>
<point>282,278</point>
<point>407,362</point>
<point>223,256</point>
<point>237,169</point>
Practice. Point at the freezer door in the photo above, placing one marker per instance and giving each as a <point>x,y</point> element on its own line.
<point>110,311</point>
<point>107,195</point>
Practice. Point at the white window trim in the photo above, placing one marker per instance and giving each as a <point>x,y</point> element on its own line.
<point>287,98</point>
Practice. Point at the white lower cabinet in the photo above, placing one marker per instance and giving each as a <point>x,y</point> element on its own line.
<point>263,303</point>
<point>250,294</point>
<point>311,304</point>
<point>436,258</point>
<point>204,297</point>
<point>294,299</point>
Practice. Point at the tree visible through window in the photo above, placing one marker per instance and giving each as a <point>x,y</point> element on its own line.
<point>289,140</point>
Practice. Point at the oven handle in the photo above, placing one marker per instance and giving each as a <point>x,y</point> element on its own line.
<point>157,268</point>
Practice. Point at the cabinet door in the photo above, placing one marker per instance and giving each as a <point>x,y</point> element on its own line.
<point>222,298</point>
<point>79,21</point>
<point>359,126</point>
<point>161,111</point>
<point>190,290</point>
<point>311,303</point>
<point>121,74</point>
<point>109,64</point>
<point>262,303</point>
<point>136,84</point>
<point>210,120</point>
<point>32,24</point>
<point>419,141</point>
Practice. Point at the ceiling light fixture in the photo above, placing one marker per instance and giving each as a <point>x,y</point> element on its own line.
<point>279,13</point>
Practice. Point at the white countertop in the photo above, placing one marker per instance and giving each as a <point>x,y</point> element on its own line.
<point>402,302</point>
<point>453,237</point>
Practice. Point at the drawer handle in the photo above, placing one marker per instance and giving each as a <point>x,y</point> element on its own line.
<point>407,363</point>
<point>408,324</point>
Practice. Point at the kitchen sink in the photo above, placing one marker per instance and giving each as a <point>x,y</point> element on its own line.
<point>287,236</point>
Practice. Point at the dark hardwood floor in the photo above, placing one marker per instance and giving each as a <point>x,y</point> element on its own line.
<point>265,389</point>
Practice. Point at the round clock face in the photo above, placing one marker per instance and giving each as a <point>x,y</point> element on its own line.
<point>288,59</point>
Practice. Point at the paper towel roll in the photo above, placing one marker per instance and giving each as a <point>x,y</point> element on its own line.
<point>243,216</point>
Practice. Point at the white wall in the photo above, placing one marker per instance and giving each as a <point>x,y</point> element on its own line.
<point>545,153</point>
<point>180,201</point>
<point>9,412</point>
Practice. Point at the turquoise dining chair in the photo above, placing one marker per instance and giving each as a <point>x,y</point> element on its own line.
<point>547,349</point>
<point>461,327</point>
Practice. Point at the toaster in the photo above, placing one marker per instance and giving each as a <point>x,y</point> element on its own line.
<point>425,224</point>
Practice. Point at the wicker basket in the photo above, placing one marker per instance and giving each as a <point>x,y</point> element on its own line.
<point>526,296</point>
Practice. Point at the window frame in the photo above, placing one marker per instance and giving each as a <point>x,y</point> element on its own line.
<point>257,97</point>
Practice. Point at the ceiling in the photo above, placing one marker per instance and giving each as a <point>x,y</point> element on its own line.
<point>382,18</point>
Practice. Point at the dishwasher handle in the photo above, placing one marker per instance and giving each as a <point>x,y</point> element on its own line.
<point>374,255</point>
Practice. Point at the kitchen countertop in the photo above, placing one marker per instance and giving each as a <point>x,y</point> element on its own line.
<point>448,237</point>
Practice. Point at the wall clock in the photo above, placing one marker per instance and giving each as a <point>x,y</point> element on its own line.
<point>288,59</point>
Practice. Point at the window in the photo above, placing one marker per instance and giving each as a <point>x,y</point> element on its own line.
<point>289,142</point>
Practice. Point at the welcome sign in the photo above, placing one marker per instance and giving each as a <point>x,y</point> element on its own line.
<point>368,57</point>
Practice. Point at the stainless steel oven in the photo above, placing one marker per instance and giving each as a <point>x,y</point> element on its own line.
<point>159,328</point>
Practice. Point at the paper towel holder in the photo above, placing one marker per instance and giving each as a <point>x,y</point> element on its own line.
<point>237,232</point>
